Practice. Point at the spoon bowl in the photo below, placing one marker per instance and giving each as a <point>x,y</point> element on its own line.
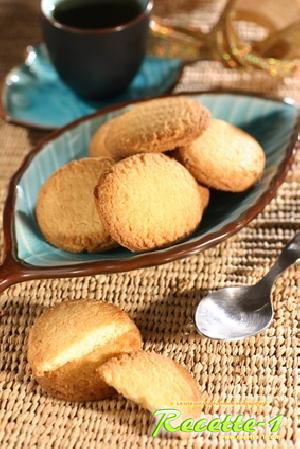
<point>238,312</point>
<point>234,313</point>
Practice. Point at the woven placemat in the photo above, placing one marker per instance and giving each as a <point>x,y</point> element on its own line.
<point>161,300</point>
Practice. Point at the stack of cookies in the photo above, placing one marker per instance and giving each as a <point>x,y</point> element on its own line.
<point>146,183</point>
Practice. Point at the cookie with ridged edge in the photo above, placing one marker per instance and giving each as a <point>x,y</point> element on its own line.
<point>224,158</point>
<point>66,211</point>
<point>153,381</point>
<point>69,342</point>
<point>149,201</point>
<point>152,126</point>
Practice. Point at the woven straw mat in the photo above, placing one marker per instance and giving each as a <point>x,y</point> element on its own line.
<point>161,300</point>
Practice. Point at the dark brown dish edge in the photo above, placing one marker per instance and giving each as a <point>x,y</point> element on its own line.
<point>14,270</point>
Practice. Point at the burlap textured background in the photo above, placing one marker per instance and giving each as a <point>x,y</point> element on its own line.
<point>160,299</point>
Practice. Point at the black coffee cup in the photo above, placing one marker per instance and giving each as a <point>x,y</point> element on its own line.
<point>97,63</point>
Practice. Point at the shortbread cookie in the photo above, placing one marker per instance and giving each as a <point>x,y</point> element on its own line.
<point>154,382</point>
<point>66,211</point>
<point>224,157</point>
<point>67,343</point>
<point>152,126</point>
<point>149,201</point>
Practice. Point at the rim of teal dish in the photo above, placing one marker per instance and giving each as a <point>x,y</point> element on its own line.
<point>15,270</point>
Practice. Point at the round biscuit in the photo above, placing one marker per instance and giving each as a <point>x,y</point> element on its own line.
<point>152,126</point>
<point>69,342</point>
<point>149,201</point>
<point>224,158</point>
<point>66,210</point>
<point>158,380</point>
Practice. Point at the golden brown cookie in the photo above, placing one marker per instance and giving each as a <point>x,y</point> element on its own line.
<point>152,126</point>
<point>153,381</point>
<point>66,211</point>
<point>67,343</point>
<point>224,157</point>
<point>149,201</point>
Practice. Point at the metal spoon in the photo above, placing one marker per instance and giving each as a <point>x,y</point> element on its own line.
<point>239,312</point>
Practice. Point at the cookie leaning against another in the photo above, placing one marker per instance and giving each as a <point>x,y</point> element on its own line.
<point>66,211</point>
<point>149,201</point>
<point>67,343</point>
<point>152,126</point>
<point>158,380</point>
<point>224,157</point>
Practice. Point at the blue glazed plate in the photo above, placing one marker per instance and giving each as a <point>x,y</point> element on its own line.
<point>28,255</point>
<point>33,94</point>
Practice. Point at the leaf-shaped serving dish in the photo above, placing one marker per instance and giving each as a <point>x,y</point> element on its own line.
<point>273,123</point>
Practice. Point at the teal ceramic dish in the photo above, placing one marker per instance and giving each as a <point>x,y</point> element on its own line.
<point>35,83</point>
<point>274,123</point>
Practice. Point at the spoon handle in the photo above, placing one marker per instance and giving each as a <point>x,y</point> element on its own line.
<point>290,254</point>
